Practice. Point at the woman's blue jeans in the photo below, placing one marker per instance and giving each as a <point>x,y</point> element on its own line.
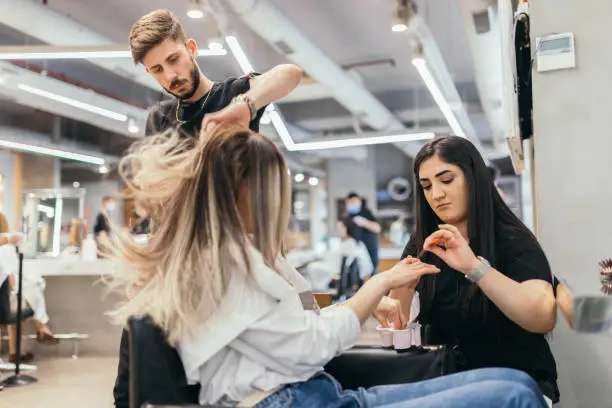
<point>483,388</point>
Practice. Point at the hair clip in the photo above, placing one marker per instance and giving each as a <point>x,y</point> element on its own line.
<point>605,275</point>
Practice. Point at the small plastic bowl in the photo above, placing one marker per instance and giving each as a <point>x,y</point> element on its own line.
<point>416,334</point>
<point>386,336</point>
<point>402,339</point>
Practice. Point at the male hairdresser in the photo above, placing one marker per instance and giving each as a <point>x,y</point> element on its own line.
<point>159,43</point>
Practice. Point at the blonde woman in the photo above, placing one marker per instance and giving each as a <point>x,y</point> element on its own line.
<point>33,293</point>
<point>212,276</point>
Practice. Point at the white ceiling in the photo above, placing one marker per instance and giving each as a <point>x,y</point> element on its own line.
<point>349,32</point>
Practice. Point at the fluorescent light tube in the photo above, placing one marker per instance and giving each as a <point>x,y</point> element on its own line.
<point>239,54</point>
<point>22,147</point>
<point>74,103</point>
<point>281,128</point>
<point>435,91</point>
<point>53,55</point>
<point>361,141</point>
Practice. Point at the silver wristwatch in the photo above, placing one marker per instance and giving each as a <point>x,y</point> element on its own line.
<point>245,99</point>
<point>479,272</point>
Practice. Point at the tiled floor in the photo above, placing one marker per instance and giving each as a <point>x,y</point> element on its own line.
<point>83,383</point>
<point>66,383</point>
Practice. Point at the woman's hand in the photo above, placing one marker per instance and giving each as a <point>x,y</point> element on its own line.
<point>407,272</point>
<point>450,246</point>
<point>389,311</point>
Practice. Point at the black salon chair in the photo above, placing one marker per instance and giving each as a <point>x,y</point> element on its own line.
<point>349,278</point>
<point>157,376</point>
<point>6,316</point>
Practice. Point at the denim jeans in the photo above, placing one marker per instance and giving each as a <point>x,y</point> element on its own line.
<point>483,388</point>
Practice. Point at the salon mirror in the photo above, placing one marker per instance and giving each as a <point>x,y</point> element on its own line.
<point>52,221</point>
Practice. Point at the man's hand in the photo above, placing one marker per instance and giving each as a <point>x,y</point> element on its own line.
<point>238,113</point>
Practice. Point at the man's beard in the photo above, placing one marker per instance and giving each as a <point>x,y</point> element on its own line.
<point>195,83</point>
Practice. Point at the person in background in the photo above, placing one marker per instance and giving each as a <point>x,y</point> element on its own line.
<point>494,298</point>
<point>321,273</point>
<point>33,293</point>
<point>397,232</point>
<point>142,226</point>
<point>158,42</point>
<point>213,278</point>
<point>102,226</point>
<point>369,228</point>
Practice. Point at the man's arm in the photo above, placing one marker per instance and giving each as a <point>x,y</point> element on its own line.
<point>263,90</point>
<point>274,84</point>
<point>368,221</point>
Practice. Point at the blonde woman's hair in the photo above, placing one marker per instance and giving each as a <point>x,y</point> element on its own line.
<point>194,189</point>
<point>4,224</point>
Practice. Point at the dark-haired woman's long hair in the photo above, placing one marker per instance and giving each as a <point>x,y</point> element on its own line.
<point>488,218</point>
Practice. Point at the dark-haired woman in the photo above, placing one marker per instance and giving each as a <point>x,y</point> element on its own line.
<point>494,298</point>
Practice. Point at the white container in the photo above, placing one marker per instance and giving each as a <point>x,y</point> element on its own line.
<point>409,337</point>
<point>89,251</point>
<point>416,334</point>
<point>386,336</point>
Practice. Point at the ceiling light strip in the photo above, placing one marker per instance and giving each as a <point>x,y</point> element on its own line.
<point>55,55</point>
<point>62,154</point>
<point>421,66</point>
<point>361,141</point>
<point>239,54</point>
<point>74,103</point>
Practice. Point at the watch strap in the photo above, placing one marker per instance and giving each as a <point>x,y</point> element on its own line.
<point>242,98</point>
<point>480,270</point>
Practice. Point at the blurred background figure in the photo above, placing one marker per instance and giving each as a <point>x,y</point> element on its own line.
<point>142,219</point>
<point>102,227</point>
<point>369,228</point>
<point>33,294</point>
<point>352,249</point>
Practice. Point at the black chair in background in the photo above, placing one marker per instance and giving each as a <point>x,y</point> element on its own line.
<point>6,318</point>
<point>157,376</point>
<point>349,278</point>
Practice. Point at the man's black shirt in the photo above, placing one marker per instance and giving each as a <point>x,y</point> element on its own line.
<point>162,116</point>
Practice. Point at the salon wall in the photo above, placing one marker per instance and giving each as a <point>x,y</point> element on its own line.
<point>573,163</point>
<point>391,162</point>
<point>7,169</point>
<point>383,163</point>
<point>346,175</point>
<point>40,171</point>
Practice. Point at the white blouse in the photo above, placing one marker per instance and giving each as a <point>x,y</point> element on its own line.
<point>262,337</point>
